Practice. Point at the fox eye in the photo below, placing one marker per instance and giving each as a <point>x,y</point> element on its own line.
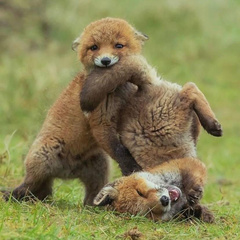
<point>140,194</point>
<point>94,47</point>
<point>118,45</point>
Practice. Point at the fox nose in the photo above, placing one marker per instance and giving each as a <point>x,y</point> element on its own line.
<point>164,200</point>
<point>106,61</point>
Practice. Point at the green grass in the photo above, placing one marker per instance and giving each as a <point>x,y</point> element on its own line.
<point>189,41</point>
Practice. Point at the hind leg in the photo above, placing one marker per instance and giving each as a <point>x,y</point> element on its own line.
<point>105,132</point>
<point>94,174</point>
<point>31,189</point>
<point>37,182</point>
<point>109,141</point>
<point>195,98</point>
<point>201,212</point>
<point>41,166</point>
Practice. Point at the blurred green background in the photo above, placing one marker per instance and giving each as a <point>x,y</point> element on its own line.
<point>195,41</point>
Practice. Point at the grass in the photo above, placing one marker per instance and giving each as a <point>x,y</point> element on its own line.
<point>189,41</point>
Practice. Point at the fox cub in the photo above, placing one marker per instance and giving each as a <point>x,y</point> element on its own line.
<point>104,44</point>
<point>162,193</point>
<point>156,121</point>
<point>65,146</point>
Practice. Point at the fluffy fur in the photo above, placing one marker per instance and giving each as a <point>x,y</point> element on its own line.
<point>159,124</point>
<point>162,193</point>
<point>71,146</point>
<point>156,122</point>
<point>65,147</point>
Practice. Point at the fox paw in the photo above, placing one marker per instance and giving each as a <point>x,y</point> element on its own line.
<point>200,212</point>
<point>6,195</point>
<point>207,216</point>
<point>195,194</point>
<point>214,128</point>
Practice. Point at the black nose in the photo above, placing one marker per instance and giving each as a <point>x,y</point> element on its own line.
<point>106,61</point>
<point>164,200</point>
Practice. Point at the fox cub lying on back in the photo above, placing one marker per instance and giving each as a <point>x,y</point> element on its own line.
<point>162,193</point>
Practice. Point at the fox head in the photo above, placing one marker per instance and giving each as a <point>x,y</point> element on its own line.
<point>138,195</point>
<point>103,42</point>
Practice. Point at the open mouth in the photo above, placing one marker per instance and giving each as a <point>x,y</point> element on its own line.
<point>174,193</point>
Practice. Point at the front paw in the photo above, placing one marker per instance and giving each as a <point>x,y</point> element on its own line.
<point>87,105</point>
<point>195,194</point>
<point>128,170</point>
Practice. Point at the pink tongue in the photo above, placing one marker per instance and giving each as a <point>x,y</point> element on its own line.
<point>174,194</point>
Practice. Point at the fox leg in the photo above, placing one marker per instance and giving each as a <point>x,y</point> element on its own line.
<point>108,139</point>
<point>193,174</point>
<point>94,174</point>
<point>193,96</point>
<point>37,184</point>
<point>42,164</point>
<point>123,157</point>
<point>103,121</point>
<point>31,189</point>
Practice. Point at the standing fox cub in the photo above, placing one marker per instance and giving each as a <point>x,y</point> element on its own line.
<point>65,146</point>
<point>127,113</point>
<point>162,193</point>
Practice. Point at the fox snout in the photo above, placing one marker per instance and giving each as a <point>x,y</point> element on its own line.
<point>165,200</point>
<point>170,195</point>
<point>105,61</point>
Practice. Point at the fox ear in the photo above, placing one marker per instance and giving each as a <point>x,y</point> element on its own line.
<point>140,36</point>
<point>106,196</point>
<point>76,43</point>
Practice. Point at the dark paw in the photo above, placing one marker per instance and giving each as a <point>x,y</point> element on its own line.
<point>7,195</point>
<point>137,168</point>
<point>126,162</point>
<point>86,106</point>
<point>10,196</point>
<point>215,129</point>
<point>207,216</point>
<point>129,170</point>
<point>199,211</point>
<point>195,194</point>
<point>18,194</point>
<point>204,214</point>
